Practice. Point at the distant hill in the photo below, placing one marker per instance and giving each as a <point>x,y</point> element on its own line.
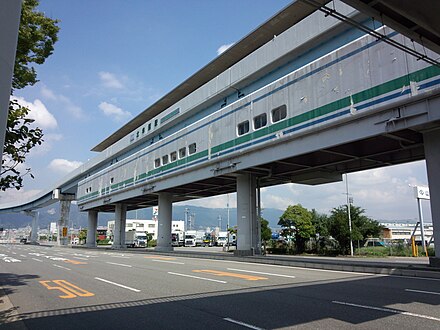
<point>203,217</point>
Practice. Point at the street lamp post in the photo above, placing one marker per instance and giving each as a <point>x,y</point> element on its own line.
<point>349,201</point>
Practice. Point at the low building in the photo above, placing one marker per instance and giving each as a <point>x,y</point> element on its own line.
<point>403,231</point>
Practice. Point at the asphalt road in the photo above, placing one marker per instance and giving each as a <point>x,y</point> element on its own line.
<point>64,288</point>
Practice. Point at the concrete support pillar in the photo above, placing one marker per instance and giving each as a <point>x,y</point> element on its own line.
<point>63,223</point>
<point>91,228</point>
<point>119,230</point>
<point>34,231</point>
<point>165,219</point>
<point>247,227</point>
<point>432,155</point>
<point>9,23</point>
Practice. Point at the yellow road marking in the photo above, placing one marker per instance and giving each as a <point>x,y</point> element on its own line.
<point>75,262</point>
<point>70,290</point>
<point>160,258</point>
<point>220,273</point>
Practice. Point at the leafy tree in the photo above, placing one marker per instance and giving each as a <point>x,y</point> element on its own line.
<point>36,36</point>
<point>362,226</point>
<point>297,221</point>
<point>266,232</point>
<point>321,223</point>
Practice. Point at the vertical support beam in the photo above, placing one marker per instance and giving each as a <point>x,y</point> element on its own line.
<point>119,230</point>
<point>34,232</point>
<point>92,225</point>
<point>63,223</point>
<point>165,219</point>
<point>9,23</point>
<point>432,155</point>
<point>247,231</point>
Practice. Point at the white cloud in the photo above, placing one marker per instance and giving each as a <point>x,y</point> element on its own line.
<point>109,80</point>
<point>47,145</point>
<point>66,102</point>
<point>63,166</point>
<point>38,111</point>
<point>224,48</point>
<point>17,197</point>
<point>116,113</point>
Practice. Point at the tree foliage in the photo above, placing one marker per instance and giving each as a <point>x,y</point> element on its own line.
<point>36,37</point>
<point>296,221</point>
<point>362,226</point>
<point>266,232</point>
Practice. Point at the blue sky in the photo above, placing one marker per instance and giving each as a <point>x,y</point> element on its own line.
<point>115,58</point>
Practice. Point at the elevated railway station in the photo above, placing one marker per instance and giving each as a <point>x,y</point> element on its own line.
<point>319,90</point>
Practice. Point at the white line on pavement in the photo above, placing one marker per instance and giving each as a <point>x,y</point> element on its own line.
<point>61,267</point>
<point>388,310</point>
<point>421,291</point>
<point>114,263</point>
<point>197,277</point>
<point>242,324</point>
<point>22,255</point>
<point>117,284</point>
<point>120,257</point>
<point>262,273</point>
<point>80,258</point>
<point>168,261</point>
<point>37,259</point>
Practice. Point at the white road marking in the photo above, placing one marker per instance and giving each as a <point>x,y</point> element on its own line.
<point>242,324</point>
<point>117,284</point>
<point>421,291</point>
<point>37,259</point>
<point>80,258</point>
<point>22,255</point>
<point>120,257</point>
<point>197,277</point>
<point>61,267</point>
<point>168,261</point>
<point>388,310</point>
<point>114,263</point>
<point>262,273</point>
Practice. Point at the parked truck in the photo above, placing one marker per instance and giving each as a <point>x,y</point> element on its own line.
<point>194,237</point>
<point>135,239</point>
<point>178,238</point>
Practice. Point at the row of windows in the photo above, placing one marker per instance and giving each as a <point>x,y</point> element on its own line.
<point>173,156</point>
<point>260,121</point>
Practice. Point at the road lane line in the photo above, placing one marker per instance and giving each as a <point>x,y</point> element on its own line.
<point>197,277</point>
<point>37,259</point>
<point>81,258</point>
<point>168,261</point>
<point>220,273</point>
<point>421,291</point>
<point>117,284</point>
<point>23,256</point>
<point>120,257</point>
<point>61,267</point>
<point>261,273</point>
<point>388,310</point>
<point>114,263</point>
<point>242,324</point>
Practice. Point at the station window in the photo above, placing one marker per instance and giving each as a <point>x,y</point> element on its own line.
<point>143,130</point>
<point>149,127</point>
<point>112,180</point>
<point>156,122</point>
<point>243,127</point>
<point>137,134</point>
<point>260,121</point>
<point>173,156</point>
<point>165,159</point>
<point>157,162</point>
<point>182,153</point>
<point>192,148</point>
<point>279,113</point>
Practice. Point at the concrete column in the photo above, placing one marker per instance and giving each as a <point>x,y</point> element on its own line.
<point>164,225</point>
<point>9,22</point>
<point>91,228</point>
<point>432,155</point>
<point>247,231</point>
<point>34,231</point>
<point>63,223</point>
<point>119,230</point>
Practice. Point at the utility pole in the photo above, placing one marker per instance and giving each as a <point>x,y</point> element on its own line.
<point>349,201</point>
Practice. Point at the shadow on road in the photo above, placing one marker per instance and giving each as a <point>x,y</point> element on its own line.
<point>270,307</point>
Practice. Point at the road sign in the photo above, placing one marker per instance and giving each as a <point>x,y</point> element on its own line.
<point>421,192</point>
